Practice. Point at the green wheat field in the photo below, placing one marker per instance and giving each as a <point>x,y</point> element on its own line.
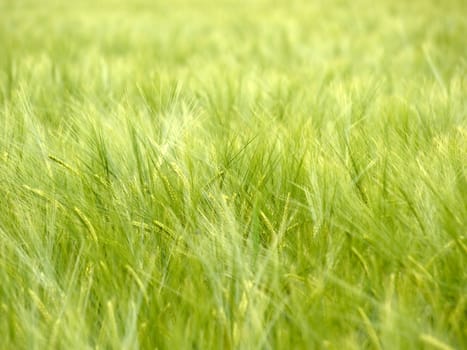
<point>233,174</point>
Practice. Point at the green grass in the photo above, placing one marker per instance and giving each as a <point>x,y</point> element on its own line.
<point>233,175</point>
